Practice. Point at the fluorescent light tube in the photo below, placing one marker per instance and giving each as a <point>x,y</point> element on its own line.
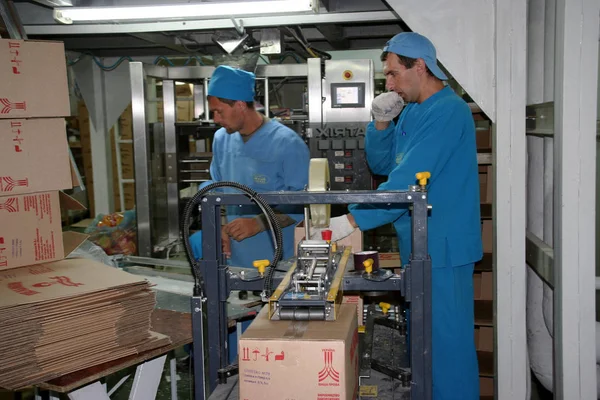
<point>68,15</point>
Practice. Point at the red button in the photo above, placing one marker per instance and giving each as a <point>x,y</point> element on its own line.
<point>326,234</point>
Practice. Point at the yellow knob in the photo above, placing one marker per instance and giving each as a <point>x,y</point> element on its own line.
<point>385,307</point>
<point>261,265</point>
<point>334,247</point>
<point>423,177</point>
<point>368,263</point>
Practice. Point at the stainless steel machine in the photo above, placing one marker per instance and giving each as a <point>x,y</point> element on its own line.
<point>331,116</point>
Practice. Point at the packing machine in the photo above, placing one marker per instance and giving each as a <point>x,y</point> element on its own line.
<point>326,102</point>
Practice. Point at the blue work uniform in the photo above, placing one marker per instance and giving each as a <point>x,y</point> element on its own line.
<point>273,159</point>
<point>438,136</point>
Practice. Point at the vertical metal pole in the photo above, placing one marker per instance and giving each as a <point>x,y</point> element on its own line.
<point>267,105</point>
<point>215,309</point>
<point>169,111</point>
<point>510,274</point>
<point>315,93</point>
<point>198,349</point>
<point>420,302</point>
<point>140,152</point>
<point>575,96</point>
<point>206,107</point>
<point>198,100</point>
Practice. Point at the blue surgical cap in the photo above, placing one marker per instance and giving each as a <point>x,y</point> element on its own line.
<point>232,84</point>
<point>413,45</point>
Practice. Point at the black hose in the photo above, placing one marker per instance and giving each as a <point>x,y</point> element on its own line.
<point>271,218</point>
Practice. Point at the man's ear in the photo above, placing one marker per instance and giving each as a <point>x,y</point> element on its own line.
<point>240,106</point>
<point>421,66</point>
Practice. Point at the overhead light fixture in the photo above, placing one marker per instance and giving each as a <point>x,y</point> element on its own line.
<point>69,15</point>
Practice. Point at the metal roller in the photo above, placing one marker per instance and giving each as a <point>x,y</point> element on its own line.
<point>302,314</point>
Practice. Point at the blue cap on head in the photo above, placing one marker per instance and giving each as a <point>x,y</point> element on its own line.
<point>231,84</point>
<point>413,45</point>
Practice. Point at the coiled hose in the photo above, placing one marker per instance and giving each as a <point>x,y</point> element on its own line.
<point>274,226</point>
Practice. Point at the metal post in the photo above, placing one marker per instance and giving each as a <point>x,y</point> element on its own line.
<point>315,94</point>
<point>198,100</point>
<point>420,302</point>
<point>169,117</point>
<point>198,349</point>
<point>140,149</point>
<point>575,97</point>
<point>215,309</point>
<point>206,107</point>
<point>510,274</point>
<point>267,103</point>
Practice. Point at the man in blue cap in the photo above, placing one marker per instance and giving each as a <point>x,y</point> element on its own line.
<point>257,152</point>
<point>436,133</point>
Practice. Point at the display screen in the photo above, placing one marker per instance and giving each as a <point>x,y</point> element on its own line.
<point>347,95</point>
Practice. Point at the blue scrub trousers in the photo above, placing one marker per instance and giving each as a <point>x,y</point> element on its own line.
<point>454,358</point>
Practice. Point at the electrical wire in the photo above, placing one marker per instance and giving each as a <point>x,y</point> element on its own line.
<point>274,226</point>
<point>116,64</point>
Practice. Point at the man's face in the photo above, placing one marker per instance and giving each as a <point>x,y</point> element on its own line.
<point>229,117</point>
<point>401,80</point>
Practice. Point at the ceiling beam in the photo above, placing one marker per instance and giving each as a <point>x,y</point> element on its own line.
<point>161,40</point>
<point>313,19</point>
<point>335,36</point>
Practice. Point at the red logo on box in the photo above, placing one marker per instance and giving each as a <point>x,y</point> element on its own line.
<point>11,205</point>
<point>9,106</point>
<point>7,183</point>
<point>63,280</point>
<point>328,372</point>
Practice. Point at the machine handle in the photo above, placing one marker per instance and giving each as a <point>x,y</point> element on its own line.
<point>385,307</point>
<point>423,177</point>
<point>261,265</point>
<point>368,263</point>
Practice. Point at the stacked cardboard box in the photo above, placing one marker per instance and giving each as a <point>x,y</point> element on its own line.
<point>56,315</point>
<point>483,279</point>
<point>300,359</point>
<point>61,317</point>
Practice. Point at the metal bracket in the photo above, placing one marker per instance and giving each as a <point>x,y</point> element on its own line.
<point>227,372</point>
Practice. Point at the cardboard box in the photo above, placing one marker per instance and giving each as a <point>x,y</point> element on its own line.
<point>487,236</point>
<point>484,343</point>
<point>483,137</point>
<point>486,388</point>
<point>31,229</point>
<point>389,260</point>
<point>126,124</point>
<point>34,156</point>
<point>355,239</point>
<point>483,294</point>
<point>357,301</point>
<point>300,359</point>
<point>33,79</point>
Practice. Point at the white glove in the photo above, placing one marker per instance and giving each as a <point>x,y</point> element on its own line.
<point>387,106</point>
<point>340,228</point>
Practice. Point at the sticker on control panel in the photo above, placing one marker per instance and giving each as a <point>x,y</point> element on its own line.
<point>339,153</point>
<point>339,179</point>
<point>339,166</point>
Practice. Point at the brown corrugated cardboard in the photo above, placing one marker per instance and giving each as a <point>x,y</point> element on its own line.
<point>487,236</point>
<point>357,301</point>
<point>389,260</point>
<point>299,359</point>
<point>486,388</point>
<point>126,124</point>
<point>33,79</point>
<point>484,343</point>
<point>34,156</point>
<point>31,229</point>
<point>483,293</point>
<point>355,239</point>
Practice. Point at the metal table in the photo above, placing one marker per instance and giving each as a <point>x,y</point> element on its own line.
<point>414,283</point>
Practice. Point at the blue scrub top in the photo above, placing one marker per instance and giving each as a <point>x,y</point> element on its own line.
<point>438,136</point>
<point>274,159</point>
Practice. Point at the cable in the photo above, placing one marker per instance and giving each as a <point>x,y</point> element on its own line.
<point>289,54</point>
<point>274,226</point>
<point>265,59</point>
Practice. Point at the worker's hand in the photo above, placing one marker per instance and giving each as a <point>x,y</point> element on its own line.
<point>340,228</point>
<point>386,106</point>
<point>225,243</point>
<point>242,228</point>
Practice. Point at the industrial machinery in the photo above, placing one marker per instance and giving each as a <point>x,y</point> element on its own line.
<point>210,300</point>
<point>326,102</point>
<point>311,288</point>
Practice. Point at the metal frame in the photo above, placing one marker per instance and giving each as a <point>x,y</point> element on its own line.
<point>416,281</point>
<point>575,96</point>
<point>140,73</point>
